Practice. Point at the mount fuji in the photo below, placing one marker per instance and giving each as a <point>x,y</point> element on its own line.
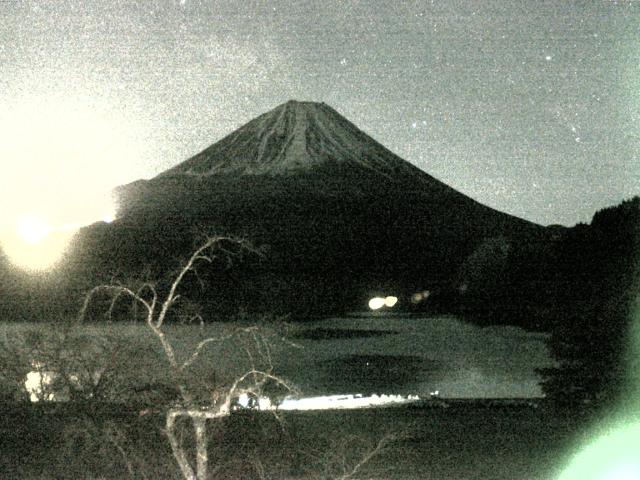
<point>340,216</point>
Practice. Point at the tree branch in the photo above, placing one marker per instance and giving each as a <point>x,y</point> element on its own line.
<point>195,257</point>
<point>178,452</point>
<point>117,291</point>
<point>196,352</point>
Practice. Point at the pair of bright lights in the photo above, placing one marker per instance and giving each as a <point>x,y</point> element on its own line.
<point>376,303</point>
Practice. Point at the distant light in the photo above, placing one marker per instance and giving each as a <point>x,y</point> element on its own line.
<point>244,400</point>
<point>390,301</point>
<point>265,403</point>
<point>376,303</point>
<point>38,383</point>
<point>350,401</point>
<point>420,296</point>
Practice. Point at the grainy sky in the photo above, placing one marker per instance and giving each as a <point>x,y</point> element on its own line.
<point>531,107</point>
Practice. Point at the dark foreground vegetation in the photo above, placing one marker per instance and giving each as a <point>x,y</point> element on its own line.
<point>580,285</point>
<point>470,440</point>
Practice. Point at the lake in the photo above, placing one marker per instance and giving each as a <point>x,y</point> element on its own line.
<point>417,355</point>
<point>357,354</point>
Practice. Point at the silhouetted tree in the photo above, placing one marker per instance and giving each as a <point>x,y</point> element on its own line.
<point>596,277</point>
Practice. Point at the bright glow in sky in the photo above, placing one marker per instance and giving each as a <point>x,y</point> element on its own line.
<point>61,157</point>
<point>33,230</point>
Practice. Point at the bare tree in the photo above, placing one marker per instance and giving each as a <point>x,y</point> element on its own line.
<point>214,399</point>
<point>255,341</point>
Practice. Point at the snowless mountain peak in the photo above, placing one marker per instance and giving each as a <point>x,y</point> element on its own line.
<point>297,136</point>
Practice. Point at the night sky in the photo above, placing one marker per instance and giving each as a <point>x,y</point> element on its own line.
<point>530,107</point>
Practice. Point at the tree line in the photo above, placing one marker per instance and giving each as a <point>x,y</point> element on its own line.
<point>580,284</point>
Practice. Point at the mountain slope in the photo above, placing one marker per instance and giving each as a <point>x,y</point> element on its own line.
<point>341,215</point>
<point>293,138</point>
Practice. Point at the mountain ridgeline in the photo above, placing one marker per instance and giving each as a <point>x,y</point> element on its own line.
<point>339,217</point>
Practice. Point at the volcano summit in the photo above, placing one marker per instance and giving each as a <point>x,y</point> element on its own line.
<point>293,138</point>
<point>341,216</point>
